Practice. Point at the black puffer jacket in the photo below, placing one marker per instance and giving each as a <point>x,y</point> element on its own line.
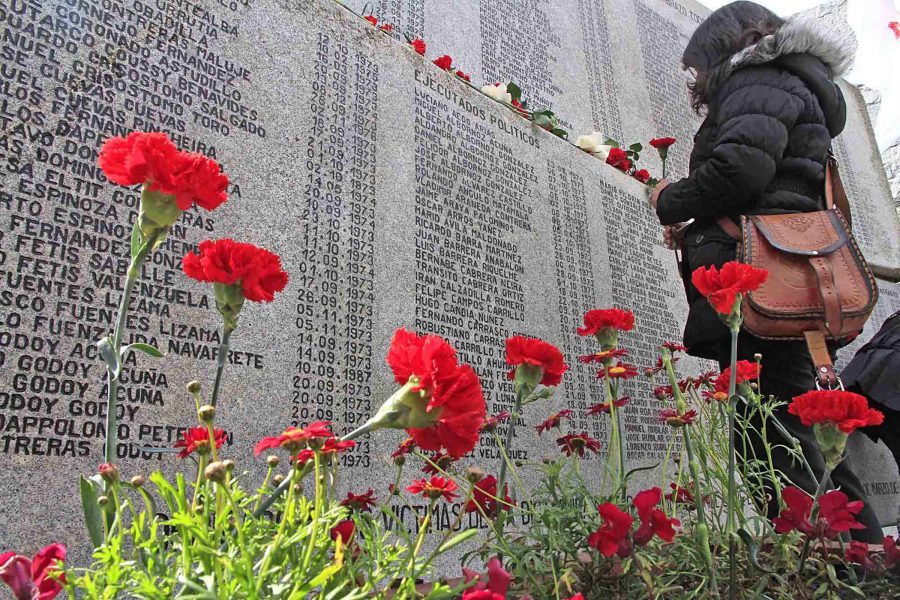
<point>761,149</point>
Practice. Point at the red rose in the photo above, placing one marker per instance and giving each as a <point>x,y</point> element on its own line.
<point>612,536</point>
<point>618,159</point>
<point>485,497</point>
<point>642,175</point>
<point>444,62</point>
<point>196,439</point>
<point>845,410</point>
<point>721,287</point>
<point>371,19</point>
<point>453,391</point>
<point>464,76</point>
<point>152,159</point>
<point>434,488</point>
<point>664,142</point>
<point>577,444</point>
<point>29,579</point>
<point>653,520</point>
<point>257,271</point>
<point>895,27</point>
<point>538,353</point>
<point>418,45</point>
<point>293,439</point>
<point>597,320</point>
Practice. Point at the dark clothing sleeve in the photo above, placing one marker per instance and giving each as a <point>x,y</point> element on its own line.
<point>755,110</point>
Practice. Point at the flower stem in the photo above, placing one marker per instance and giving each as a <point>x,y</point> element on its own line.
<point>732,499</point>
<point>618,435</point>
<point>221,357</point>
<point>317,507</point>
<point>521,392</point>
<point>820,489</point>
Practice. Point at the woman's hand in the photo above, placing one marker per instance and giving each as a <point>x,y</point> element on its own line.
<point>654,195</point>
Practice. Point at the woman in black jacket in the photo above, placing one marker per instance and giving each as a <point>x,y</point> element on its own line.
<point>772,108</point>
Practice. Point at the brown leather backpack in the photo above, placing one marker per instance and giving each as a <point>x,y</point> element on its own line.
<point>819,286</point>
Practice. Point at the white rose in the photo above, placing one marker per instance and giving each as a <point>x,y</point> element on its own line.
<point>602,152</point>
<point>497,92</point>
<point>589,143</point>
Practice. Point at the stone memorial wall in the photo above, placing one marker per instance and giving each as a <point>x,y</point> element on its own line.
<point>395,194</point>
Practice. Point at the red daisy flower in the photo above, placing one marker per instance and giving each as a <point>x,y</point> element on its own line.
<point>521,350</point>
<point>671,417</point>
<point>612,536</point>
<point>721,287</point>
<point>683,494</point>
<point>196,439</point>
<point>361,502</point>
<point>293,439</point>
<point>706,378</point>
<point>577,444</point>
<point>485,497</point>
<point>619,370</point>
<point>434,488</point>
<point>304,456</point>
<point>604,407</point>
<point>658,367</point>
<point>442,460</point>
<point>845,410</point>
<point>716,395</point>
<point>405,447</point>
<point>333,446</point>
<point>653,520</point>
<point>603,356</point>
<point>491,423</point>
<point>553,421</point>
<point>455,400</point>
<point>673,347</point>
<point>606,318</point>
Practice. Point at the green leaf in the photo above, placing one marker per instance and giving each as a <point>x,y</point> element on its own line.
<point>135,239</point>
<point>457,540</point>
<point>145,348</point>
<point>514,91</point>
<point>635,148</point>
<point>108,354</point>
<point>752,549</point>
<point>560,133</point>
<point>652,182</point>
<point>93,516</point>
<point>611,142</point>
<point>541,120</point>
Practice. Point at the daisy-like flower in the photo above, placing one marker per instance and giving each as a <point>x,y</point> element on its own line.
<point>294,439</point>
<point>434,488</point>
<point>603,356</point>
<point>577,444</point>
<point>604,407</point>
<point>619,370</point>
<point>196,439</point>
<point>670,417</point>
<point>443,461</point>
<point>658,367</point>
<point>491,423</point>
<point>333,446</point>
<point>554,421</point>
<point>673,347</point>
<point>361,502</point>
<point>405,447</point>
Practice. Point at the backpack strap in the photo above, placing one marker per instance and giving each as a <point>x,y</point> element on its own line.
<point>835,194</point>
<point>826,378</point>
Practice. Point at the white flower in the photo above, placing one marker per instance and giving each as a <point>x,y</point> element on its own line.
<point>602,152</point>
<point>497,92</point>
<point>591,143</point>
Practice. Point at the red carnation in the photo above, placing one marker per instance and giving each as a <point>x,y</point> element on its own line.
<point>30,579</point>
<point>455,401</point>
<point>721,287</point>
<point>577,444</point>
<point>293,439</point>
<point>747,371</point>
<point>258,272</point>
<point>664,142</point>
<point>618,159</point>
<point>653,520</point>
<point>418,45</point>
<point>444,62</point>
<point>153,160</point>
<point>554,421</point>
<point>485,497</point>
<point>858,552</point>
<point>521,350</point>
<point>642,175</point>
<point>595,321</point>
<point>606,407</point>
<point>845,410</point>
<point>612,536</point>
<point>434,488</point>
<point>196,439</point>
<point>361,502</point>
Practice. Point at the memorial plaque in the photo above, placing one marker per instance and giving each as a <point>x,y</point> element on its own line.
<point>395,194</point>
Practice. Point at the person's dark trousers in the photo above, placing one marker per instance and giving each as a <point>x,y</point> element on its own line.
<point>787,372</point>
